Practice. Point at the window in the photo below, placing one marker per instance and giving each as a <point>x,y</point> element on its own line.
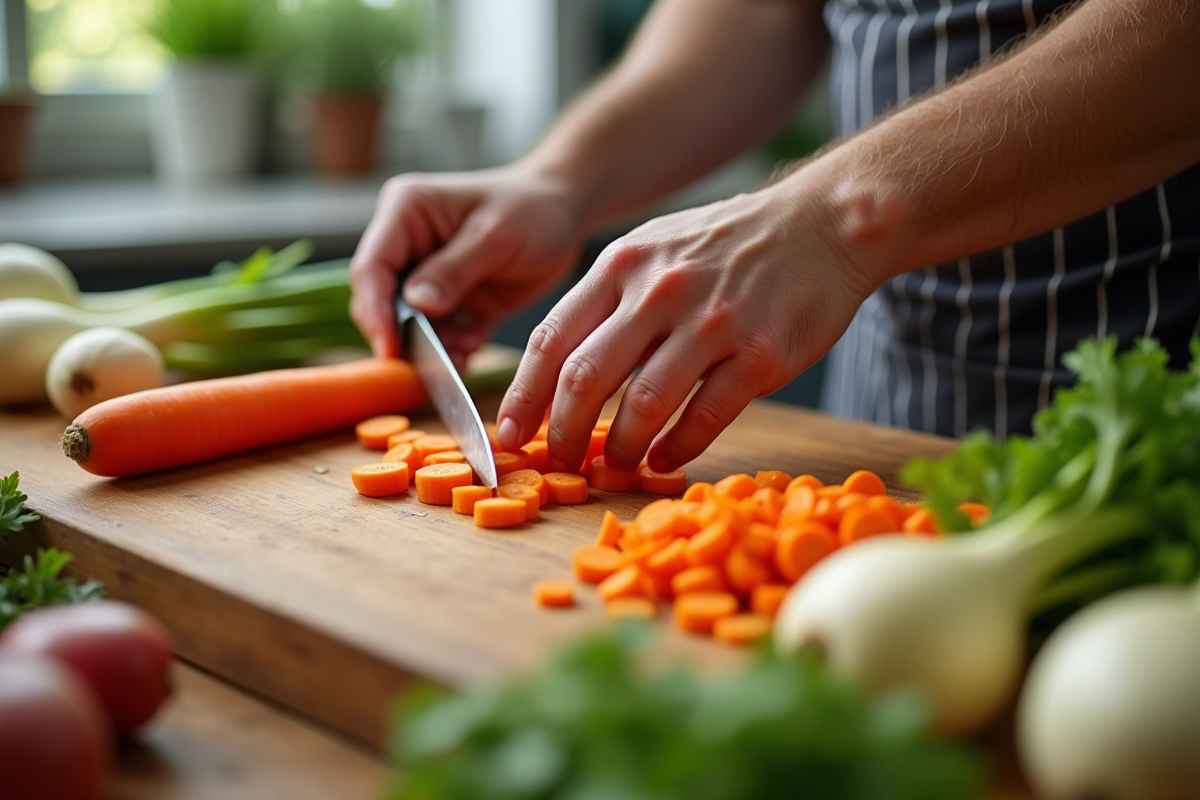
<point>91,45</point>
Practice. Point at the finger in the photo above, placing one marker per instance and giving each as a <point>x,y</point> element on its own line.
<point>482,246</point>
<point>721,397</point>
<point>573,318</point>
<point>655,393</point>
<point>591,375</point>
<point>371,309</point>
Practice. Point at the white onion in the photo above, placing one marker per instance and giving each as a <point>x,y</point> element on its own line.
<point>98,364</point>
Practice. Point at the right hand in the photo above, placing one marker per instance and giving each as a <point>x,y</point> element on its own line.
<point>484,244</point>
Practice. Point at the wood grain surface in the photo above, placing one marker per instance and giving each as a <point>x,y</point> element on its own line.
<point>274,574</point>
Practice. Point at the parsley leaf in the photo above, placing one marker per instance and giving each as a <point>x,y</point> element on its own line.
<point>13,514</point>
<point>39,584</point>
<point>595,724</point>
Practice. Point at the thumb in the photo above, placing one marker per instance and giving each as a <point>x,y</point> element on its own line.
<point>479,249</point>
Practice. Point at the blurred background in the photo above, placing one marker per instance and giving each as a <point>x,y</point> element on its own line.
<point>144,140</point>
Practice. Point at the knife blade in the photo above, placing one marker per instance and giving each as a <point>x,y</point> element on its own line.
<point>445,388</point>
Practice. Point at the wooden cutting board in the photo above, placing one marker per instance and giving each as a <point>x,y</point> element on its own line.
<point>274,574</point>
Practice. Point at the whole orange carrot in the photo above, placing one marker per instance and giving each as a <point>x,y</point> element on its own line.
<point>202,420</point>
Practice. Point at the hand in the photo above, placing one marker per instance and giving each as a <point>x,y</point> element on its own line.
<point>742,295</point>
<point>484,243</point>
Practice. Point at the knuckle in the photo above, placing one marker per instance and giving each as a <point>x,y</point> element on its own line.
<point>546,341</point>
<point>709,416</point>
<point>760,356</point>
<point>518,395</point>
<point>718,319</point>
<point>646,399</point>
<point>579,377</point>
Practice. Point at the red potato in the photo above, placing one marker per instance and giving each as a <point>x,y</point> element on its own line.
<point>55,743</point>
<point>120,651</point>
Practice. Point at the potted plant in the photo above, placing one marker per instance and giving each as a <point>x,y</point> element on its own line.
<point>206,114</point>
<point>17,105</point>
<point>345,55</point>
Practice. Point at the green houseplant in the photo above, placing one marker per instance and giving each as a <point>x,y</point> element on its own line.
<point>207,111</point>
<point>345,54</point>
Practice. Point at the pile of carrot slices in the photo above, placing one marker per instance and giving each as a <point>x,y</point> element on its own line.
<point>724,556</point>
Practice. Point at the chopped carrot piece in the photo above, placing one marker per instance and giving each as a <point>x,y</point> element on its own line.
<point>706,578</point>
<point>859,522</point>
<point>500,512</point>
<point>864,482</point>
<point>798,505</point>
<point>657,586</point>
<point>603,424</point>
<point>670,483</point>
<point>610,479</point>
<point>760,540</point>
<point>906,510</point>
<point>639,554</point>
<point>833,491</point>
<point>625,582</point>
<point>978,513</point>
<point>741,629</point>
<point>434,443</point>
<point>776,479</point>
<point>827,511</point>
<point>610,530</point>
<point>665,518</point>
<point>464,498</point>
<point>698,492</point>
<point>744,571</point>
<point>669,560</point>
<point>403,452</point>
<point>374,432</point>
<point>849,500</point>
<point>566,488</point>
<point>889,506</point>
<point>381,479</point>
<point>526,494</point>
<point>921,522</point>
<point>406,437</point>
<point>811,481</point>
<point>543,430</point>
<point>552,593</point>
<point>767,598</point>
<point>696,612</point>
<point>801,546</point>
<point>595,448</point>
<point>539,455</point>
<point>436,482</point>
<point>445,457</point>
<point>735,487</point>
<point>765,505</point>
<point>631,537</point>
<point>530,478</point>
<point>593,562</point>
<point>511,462</point>
<point>631,608</point>
<point>710,545</point>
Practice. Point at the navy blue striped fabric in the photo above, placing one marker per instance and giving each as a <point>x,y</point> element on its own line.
<point>979,342</point>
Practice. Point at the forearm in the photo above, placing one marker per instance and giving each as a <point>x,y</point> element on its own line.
<point>702,80</point>
<point>1104,105</point>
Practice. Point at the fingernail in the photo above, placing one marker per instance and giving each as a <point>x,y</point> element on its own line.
<point>507,433</point>
<point>423,295</point>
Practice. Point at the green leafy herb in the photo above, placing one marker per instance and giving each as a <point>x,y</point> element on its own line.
<point>13,514</point>
<point>39,584</point>
<point>1116,457</point>
<point>594,725</point>
<point>209,28</point>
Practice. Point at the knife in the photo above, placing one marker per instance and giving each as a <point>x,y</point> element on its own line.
<point>453,403</point>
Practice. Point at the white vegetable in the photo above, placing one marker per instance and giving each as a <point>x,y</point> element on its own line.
<point>1111,707</point>
<point>98,364</point>
<point>941,615</point>
<point>30,272</point>
<point>30,331</point>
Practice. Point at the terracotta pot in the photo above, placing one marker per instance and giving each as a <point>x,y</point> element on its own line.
<point>346,131</point>
<point>16,114</point>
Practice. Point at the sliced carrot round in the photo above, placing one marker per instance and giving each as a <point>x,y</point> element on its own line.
<point>696,612</point>
<point>531,478</point>
<point>403,452</point>
<point>811,481</point>
<point>552,593</point>
<point>631,608</point>
<point>539,455</point>
<point>434,443</point>
<point>610,479</point>
<point>760,540</point>
<point>566,488</point>
<point>507,462</point>
<point>921,522</point>
<point>864,481</point>
<point>741,629</point>
<point>978,513</point>
<point>706,578</point>
<point>698,492</point>
<point>593,563</point>
<point>767,598</point>
<point>406,437</point>
<point>625,582</point>
<point>710,545</point>
<point>861,521</point>
<point>373,433</point>
<point>595,448</point>
<point>610,529</point>
<point>500,512</point>
<point>774,478</point>
<point>735,487</point>
<point>526,494</point>
<point>436,482</point>
<point>381,479</point>
<point>668,483</point>
<point>445,457</point>
<point>464,498</point>
<point>744,571</point>
<point>801,546</point>
<point>669,560</point>
<point>639,554</point>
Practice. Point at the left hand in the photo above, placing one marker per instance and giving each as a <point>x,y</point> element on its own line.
<point>741,295</point>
